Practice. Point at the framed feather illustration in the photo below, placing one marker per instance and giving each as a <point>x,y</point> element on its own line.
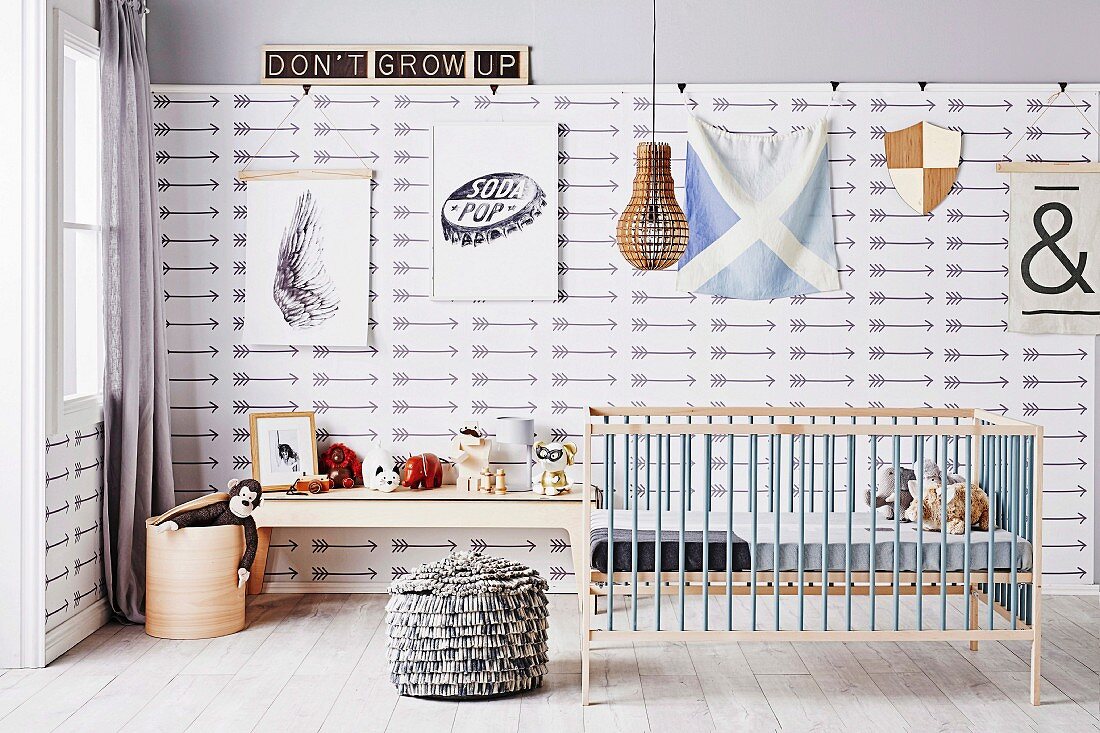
<point>307,269</point>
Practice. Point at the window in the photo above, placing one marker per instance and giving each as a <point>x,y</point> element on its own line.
<point>77,322</point>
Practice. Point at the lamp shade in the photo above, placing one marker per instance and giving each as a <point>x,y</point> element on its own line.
<point>516,430</point>
<point>653,232</point>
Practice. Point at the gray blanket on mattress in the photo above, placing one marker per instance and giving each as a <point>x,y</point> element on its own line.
<point>813,531</point>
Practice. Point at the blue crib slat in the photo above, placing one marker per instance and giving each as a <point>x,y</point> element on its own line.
<point>609,468</point>
<point>826,508</point>
<point>790,454</point>
<point>872,549</point>
<point>1013,598</point>
<point>776,472</point>
<point>969,522</point>
<point>729,530</point>
<point>848,544</point>
<point>707,455</point>
<point>634,541</point>
<point>919,566</point>
<point>658,540</point>
<point>685,490</point>
<point>897,528</point>
<point>991,588</point>
<point>648,464</point>
<point>943,531</point>
<point>1031,519</point>
<point>813,464</point>
<point>802,529</point>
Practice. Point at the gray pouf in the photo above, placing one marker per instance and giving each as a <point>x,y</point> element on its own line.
<point>467,626</point>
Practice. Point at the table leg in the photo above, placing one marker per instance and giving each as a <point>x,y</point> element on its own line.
<point>579,545</point>
<point>259,565</point>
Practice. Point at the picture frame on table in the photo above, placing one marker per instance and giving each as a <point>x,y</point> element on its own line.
<point>284,447</point>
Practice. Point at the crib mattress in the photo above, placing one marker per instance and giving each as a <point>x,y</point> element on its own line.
<point>884,537</point>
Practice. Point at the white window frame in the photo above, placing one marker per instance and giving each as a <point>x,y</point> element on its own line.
<point>79,411</point>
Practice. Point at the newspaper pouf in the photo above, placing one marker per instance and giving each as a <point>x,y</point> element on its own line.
<point>467,626</point>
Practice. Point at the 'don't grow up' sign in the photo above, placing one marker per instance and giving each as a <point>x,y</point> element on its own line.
<point>395,65</point>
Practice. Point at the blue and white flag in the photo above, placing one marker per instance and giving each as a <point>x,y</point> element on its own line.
<point>760,214</point>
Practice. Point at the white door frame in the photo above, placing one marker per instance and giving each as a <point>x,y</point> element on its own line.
<point>23,34</point>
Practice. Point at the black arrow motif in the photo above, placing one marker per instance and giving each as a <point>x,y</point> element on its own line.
<point>165,212</point>
<point>163,184</point>
<point>955,270</point>
<point>958,105</point>
<point>240,351</point>
<point>480,407</point>
<point>1003,132</point>
<point>243,128</point>
<point>401,295</point>
<point>321,573</point>
<point>243,156</point>
<point>240,379</point>
<point>208,406</point>
<point>484,102</point>
<point>798,353</point>
<point>63,542</point>
<point>323,406</point>
<point>400,351</point>
<point>565,130</point>
<point>1032,354</point>
<point>323,434</point>
<point>163,157</point>
<point>78,532</point>
<point>51,479</point>
<point>289,571</point>
<point>78,564</point>
<point>1080,491</point>
<point>1032,381</point>
<point>880,215</point>
<point>241,101</point>
<point>480,545</point>
<point>401,240</point>
<point>208,378</point>
<point>402,406</point>
<point>398,545</point>
<point>209,295</point>
<point>956,215</point>
<point>878,380</point>
<point>564,241</point>
<point>210,266</point>
<point>289,543</point>
<point>640,296</point>
<point>881,242</point>
<point>641,352</point>
<point>879,105</point>
<point>1080,519</point>
<point>400,323</point>
<point>403,434</point>
<point>560,351</point>
<point>400,267</point>
<point>324,156</point>
<point>877,297</point>
<point>849,159</point>
<point>320,352</point>
<point>800,299</point>
<point>209,322</point>
<point>242,406</point>
<point>323,101</point>
<point>321,545</point>
<point>720,104</point>
<point>880,187</point>
<point>560,324</point>
<point>400,379</point>
<point>955,325</point>
<point>958,187</point>
<point>954,298</point>
<point>953,382</point>
<point>1080,435</point>
<point>60,609</point>
<point>1034,133</point>
<point>801,105</point>
<point>560,408</point>
<point>560,380</point>
<point>55,444</point>
<point>720,325</point>
<point>208,350</point>
<point>1031,409</point>
<point>402,157</point>
<point>79,468</point>
<point>160,101</point>
<point>798,380</point>
<point>641,380</point>
<point>877,270</point>
<point>798,325</point>
<point>480,351</point>
<point>210,461</point>
<point>952,355</point>
<point>403,101</point>
<point>322,379</point>
<point>1081,464</point>
<point>564,157</point>
<point>324,128</point>
<point>1034,158</point>
<point>564,296</point>
<point>721,352</point>
<point>208,434</point>
<point>61,509</point>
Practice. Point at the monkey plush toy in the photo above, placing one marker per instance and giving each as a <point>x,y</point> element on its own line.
<point>217,509</point>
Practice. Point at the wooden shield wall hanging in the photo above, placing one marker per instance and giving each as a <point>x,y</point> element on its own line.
<point>923,161</point>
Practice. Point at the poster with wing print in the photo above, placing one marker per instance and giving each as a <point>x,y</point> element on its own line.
<point>307,275</point>
<point>495,204</point>
<point>1054,233</point>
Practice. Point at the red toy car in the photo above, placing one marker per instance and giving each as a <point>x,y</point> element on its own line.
<point>423,471</point>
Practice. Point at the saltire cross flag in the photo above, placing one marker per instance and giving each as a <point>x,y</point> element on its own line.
<point>760,214</point>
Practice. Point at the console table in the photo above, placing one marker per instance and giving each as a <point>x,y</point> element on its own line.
<point>445,507</point>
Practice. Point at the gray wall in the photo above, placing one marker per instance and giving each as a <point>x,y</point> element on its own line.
<point>597,41</point>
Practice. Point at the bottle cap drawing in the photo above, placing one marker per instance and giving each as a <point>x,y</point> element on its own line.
<point>490,207</point>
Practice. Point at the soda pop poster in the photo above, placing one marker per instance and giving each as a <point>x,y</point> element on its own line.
<point>495,204</point>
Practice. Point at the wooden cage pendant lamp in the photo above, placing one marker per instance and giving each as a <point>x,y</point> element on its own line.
<point>652,232</point>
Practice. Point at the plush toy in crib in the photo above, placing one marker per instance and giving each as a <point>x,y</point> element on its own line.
<point>931,507</point>
<point>554,458</point>
<point>886,482</point>
<point>217,509</point>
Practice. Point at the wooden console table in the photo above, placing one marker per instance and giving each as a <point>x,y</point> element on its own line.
<point>445,507</point>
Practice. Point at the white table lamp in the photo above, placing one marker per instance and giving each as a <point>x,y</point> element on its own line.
<point>518,431</point>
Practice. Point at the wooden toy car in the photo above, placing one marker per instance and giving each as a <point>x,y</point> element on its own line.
<point>311,485</point>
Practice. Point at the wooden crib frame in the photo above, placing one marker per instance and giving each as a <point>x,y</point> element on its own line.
<point>995,442</point>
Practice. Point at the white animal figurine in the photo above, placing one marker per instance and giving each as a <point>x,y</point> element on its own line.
<point>470,453</point>
<point>380,470</point>
<point>554,458</point>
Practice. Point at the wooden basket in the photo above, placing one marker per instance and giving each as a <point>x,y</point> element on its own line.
<point>191,582</point>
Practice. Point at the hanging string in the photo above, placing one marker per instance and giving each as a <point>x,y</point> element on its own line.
<point>1046,108</point>
<point>279,125</point>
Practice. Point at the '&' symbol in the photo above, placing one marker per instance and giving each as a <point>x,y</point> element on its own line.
<point>1050,241</point>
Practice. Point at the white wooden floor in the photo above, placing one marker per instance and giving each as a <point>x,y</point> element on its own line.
<point>317,662</point>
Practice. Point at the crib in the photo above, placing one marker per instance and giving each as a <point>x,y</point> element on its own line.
<point>739,524</point>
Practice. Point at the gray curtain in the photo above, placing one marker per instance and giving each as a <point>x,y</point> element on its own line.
<point>137,451</point>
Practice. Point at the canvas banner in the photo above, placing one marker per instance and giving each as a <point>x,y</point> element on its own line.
<point>1054,264</point>
<point>760,214</point>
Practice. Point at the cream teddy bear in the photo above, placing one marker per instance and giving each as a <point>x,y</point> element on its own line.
<point>932,507</point>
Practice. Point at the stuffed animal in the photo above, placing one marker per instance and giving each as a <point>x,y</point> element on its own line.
<point>379,470</point>
<point>931,507</point>
<point>422,471</point>
<point>470,451</point>
<point>554,458</point>
<point>886,482</point>
<point>217,509</point>
<point>342,465</point>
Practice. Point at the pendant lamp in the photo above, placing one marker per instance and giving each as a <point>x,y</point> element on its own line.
<point>652,232</point>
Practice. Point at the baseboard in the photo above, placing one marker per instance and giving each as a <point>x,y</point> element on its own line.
<point>1071,589</point>
<point>62,638</point>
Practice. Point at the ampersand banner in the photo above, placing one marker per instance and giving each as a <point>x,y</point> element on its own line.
<point>1054,264</point>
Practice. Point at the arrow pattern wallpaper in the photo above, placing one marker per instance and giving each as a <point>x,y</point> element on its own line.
<point>74,509</point>
<point>920,319</point>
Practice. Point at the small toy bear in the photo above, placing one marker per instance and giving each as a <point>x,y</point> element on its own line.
<point>218,509</point>
<point>342,466</point>
<point>554,459</point>
<point>379,470</point>
<point>931,507</point>
<point>886,484</point>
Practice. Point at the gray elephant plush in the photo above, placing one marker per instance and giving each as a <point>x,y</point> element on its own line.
<point>886,483</point>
